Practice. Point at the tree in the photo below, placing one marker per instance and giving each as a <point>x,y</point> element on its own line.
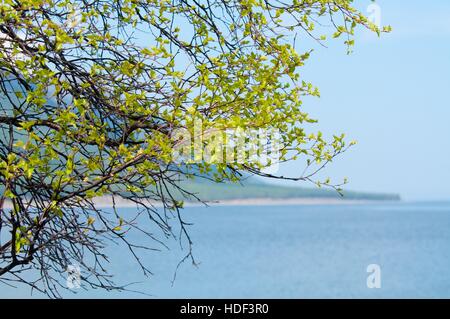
<point>93,92</point>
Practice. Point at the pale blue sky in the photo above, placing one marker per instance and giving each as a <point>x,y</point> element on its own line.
<point>392,96</point>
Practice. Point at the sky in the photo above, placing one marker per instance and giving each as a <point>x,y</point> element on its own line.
<point>392,96</point>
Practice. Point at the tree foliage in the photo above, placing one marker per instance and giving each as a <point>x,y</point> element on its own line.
<point>92,91</point>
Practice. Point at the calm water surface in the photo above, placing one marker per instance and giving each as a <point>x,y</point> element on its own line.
<point>297,252</point>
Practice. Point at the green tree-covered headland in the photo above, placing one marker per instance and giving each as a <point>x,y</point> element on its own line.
<point>220,192</point>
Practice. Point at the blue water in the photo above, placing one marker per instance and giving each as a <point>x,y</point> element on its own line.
<point>297,252</point>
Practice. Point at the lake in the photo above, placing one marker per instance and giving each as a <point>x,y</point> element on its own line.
<point>297,252</point>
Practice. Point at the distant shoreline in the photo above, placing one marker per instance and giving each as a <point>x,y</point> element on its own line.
<point>288,202</point>
<point>107,202</point>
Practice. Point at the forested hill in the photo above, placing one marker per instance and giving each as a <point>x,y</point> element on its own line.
<point>249,190</point>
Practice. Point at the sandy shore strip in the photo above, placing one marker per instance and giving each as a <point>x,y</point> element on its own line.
<point>284,202</point>
<point>106,202</point>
